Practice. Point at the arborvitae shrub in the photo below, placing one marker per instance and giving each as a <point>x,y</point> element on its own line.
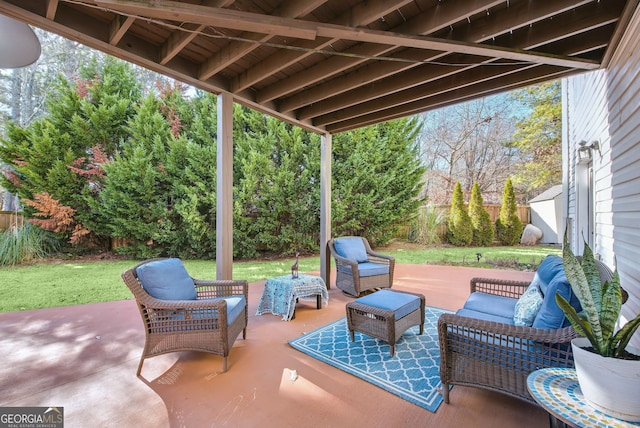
<point>508,226</point>
<point>480,219</point>
<point>460,231</point>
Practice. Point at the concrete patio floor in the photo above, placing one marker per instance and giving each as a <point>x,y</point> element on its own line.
<point>84,358</point>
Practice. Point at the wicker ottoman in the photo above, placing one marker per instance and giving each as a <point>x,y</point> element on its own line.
<point>385,315</point>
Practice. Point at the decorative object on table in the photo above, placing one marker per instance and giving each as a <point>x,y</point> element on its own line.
<point>181,313</point>
<point>411,375</point>
<point>280,294</point>
<point>386,315</point>
<point>294,267</point>
<point>558,392</point>
<point>358,268</point>
<point>608,369</point>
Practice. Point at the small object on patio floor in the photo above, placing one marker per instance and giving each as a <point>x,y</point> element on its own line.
<point>294,376</point>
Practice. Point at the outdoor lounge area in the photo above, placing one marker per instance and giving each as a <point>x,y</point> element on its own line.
<point>84,359</point>
<point>385,62</point>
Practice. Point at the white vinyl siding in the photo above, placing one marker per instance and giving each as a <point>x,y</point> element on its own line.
<point>604,105</point>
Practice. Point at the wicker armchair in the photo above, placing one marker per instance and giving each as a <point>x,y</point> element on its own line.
<point>499,356</point>
<point>209,323</point>
<point>360,269</point>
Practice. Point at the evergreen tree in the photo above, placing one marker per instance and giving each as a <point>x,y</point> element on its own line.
<point>277,204</point>
<point>508,226</point>
<point>61,155</point>
<point>157,192</point>
<point>108,163</point>
<point>460,231</point>
<point>377,176</point>
<point>480,219</point>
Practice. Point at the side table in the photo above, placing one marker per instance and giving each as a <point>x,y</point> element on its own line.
<point>558,392</point>
<point>280,294</point>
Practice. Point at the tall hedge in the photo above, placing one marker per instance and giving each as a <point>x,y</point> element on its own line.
<point>508,225</point>
<point>376,179</point>
<point>158,190</point>
<point>460,230</point>
<point>61,155</point>
<point>277,197</point>
<point>483,232</point>
<point>143,168</point>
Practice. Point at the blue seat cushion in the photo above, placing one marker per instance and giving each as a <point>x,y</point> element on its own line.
<point>491,304</point>
<point>470,313</point>
<point>167,279</point>
<point>235,308</point>
<point>366,269</point>
<point>550,315</point>
<point>372,269</point>
<point>402,304</point>
<point>351,248</point>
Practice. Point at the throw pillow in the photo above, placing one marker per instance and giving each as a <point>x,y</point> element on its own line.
<point>528,305</point>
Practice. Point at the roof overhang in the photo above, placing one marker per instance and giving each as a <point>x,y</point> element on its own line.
<point>335,65</point>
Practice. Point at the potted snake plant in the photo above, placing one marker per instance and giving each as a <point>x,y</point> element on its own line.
<point>608,370</point>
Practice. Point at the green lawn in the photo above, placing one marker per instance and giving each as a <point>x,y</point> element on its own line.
<point>45,285</point>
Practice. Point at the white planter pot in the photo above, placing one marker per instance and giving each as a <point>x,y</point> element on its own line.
<point>610,385</point>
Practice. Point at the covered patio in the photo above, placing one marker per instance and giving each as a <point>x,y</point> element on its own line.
<point>330,66</point>
<point>84,358</point>
<point>327,66</point>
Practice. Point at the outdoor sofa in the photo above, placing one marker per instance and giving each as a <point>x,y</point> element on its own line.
<point>508,329</point>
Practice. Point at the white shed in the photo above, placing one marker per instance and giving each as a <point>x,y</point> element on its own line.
<point>546,214</point>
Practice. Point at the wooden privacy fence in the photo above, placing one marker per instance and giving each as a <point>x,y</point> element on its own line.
<point>494,212</point>
<point>10,218</point>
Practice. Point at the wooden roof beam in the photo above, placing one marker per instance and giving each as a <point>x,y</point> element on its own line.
<point>236,49</point>
<point>444,14</point>
<point>178,41</point>
<point>355,96</point>
<point>119,27</point>
<point>435,86</point>
<point>310,30</point>
<point>361,15</point>
<point>468,94</point>
<point>52,6</point>
<point>214,16</point>
<point>503,18</point>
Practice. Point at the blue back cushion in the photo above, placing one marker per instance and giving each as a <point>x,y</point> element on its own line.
<point>351,248</point>
<point>548,269</point>
<point>167,280</point>
<point>550,315</point>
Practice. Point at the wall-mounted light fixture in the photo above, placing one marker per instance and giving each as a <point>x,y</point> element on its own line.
<point>585,151</point>
<point>19,45</point>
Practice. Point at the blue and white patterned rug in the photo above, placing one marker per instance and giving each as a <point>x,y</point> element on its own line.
<point>412,374</point>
